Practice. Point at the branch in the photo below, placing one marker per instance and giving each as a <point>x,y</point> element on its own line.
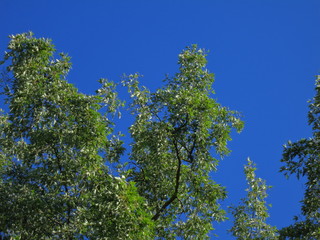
<point>175,194</point>
<point>190,152</point>
<point>155,114</point>
<point>64,185</point>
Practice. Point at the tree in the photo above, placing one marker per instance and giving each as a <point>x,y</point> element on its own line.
<point>302,158</point>
<point>57,146</point>
<point>54,146</point>
<point>173,135</point>
<point>250,217</point>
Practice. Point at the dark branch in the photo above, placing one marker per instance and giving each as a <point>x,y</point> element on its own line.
<point>64,185</point>
<point>176,189</point>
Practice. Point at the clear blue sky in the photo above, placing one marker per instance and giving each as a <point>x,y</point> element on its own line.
<point>264,53</point>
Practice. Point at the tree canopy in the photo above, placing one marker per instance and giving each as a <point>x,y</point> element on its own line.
<point>57,145</point>
<point>250,216</point>
<point>55,183</point>
<point>173,135</point>
<point>64,174</point>
<point>302,158</point>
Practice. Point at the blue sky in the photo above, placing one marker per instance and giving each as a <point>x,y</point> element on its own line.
<point>264,54</point>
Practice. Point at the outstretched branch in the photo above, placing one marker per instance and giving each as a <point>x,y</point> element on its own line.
<point>176,189</point>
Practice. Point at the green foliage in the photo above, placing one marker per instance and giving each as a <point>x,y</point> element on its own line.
<point>175,131</point>
<point>302,158</point>
<point>250,217</point>
<point>54,146</point>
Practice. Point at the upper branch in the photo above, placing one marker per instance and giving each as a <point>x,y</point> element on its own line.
<point>177,184</point>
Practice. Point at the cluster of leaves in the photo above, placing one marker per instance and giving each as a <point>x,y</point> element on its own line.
<point>250,217</point>
<point>56,147</point>
<point>173,135</point>
<point>302,158</point>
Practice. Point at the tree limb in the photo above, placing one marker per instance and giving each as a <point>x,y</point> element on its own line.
<point>175,194</point>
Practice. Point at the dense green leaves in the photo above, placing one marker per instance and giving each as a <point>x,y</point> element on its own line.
<point>250,217</point>
<point>56,147</point>
<point>55,143</point>
<point>175,131</point>
<point>302,158</point>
